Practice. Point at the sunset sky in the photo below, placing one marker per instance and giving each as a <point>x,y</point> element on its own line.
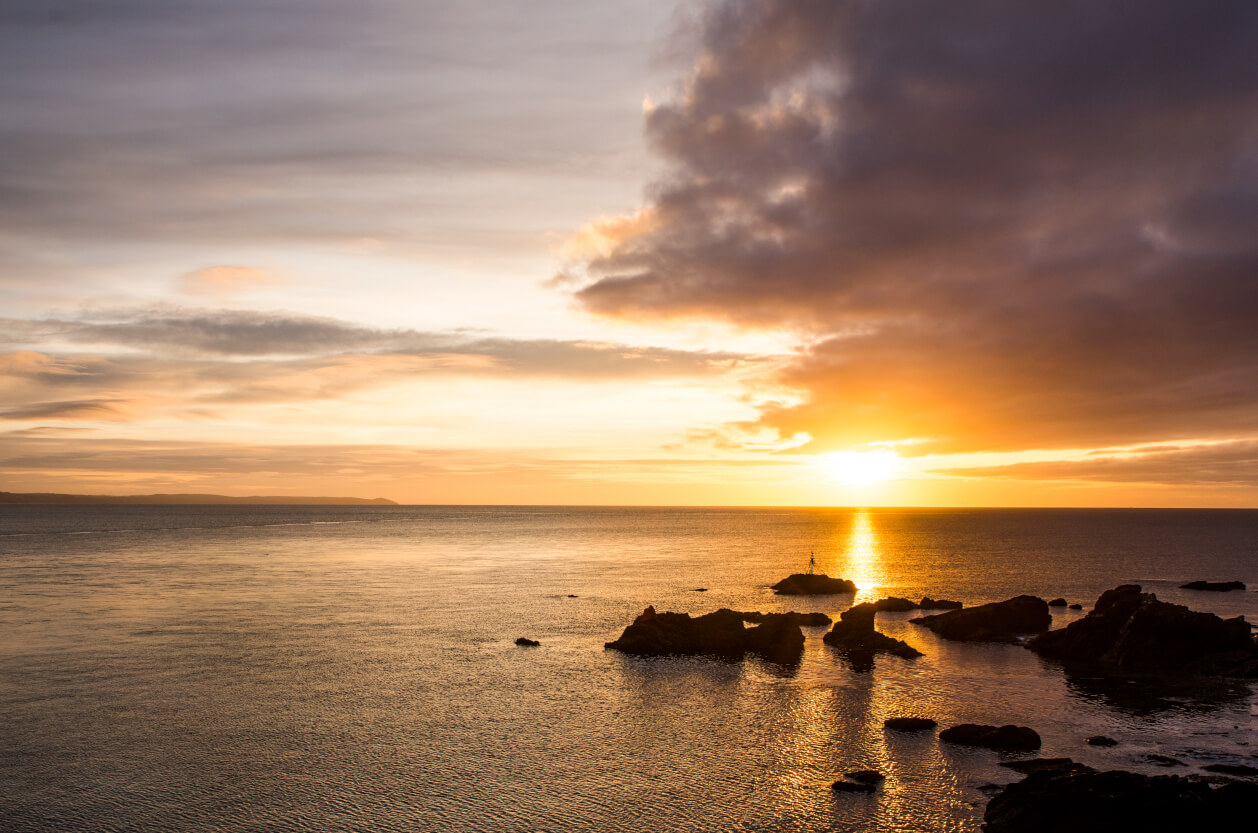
<point>982,252</point>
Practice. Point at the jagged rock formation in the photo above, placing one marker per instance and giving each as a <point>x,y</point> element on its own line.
<point>995,622</point>
<point>854,634</point>
<point>1133,632</point>
<point>718,634</point>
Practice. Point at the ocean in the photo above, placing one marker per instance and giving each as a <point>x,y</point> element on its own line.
<point>228,668</point>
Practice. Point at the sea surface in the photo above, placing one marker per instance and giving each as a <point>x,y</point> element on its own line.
<point>201,668</point>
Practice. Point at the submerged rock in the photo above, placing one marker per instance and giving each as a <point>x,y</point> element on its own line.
<point>804,620</point>
<point>1216,586</point>
<point>1232,769</point>
<point>1076,606</point>
<point>719,634</point>
<point>1132,632</point>
<point>1164,760</point>
<point>1008,738</point>
<point>1101,740</point>
<point>524,641</point>
<point>855,635</point>
<point>1057,602</point>
<point>853,787</point>
<point>812,584</point>
<point>1047,765</point>
<point>895,603</point>
<point>909,724</point>
<point>995,622</point>
<point>927,603</point>
<point>866,776</point>
<point>1091,802</point>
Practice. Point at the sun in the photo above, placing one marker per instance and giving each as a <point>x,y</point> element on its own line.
<point>862,468</point>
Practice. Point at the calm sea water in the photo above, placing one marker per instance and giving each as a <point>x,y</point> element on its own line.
<point>327,669</point>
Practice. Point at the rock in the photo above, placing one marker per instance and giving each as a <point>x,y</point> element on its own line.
<point>699,590</point>
<point>572,595</point>
<point>1231,769</point>
<point>1164,760</point>
<point>1008,738</point>
<point>526,642</point>
<point>1047,765</point>
<point>866,776</point>
<point>927,603</point>
<point>1101,740</point>
<point>719,634</point>
<point>1215,586</point>
<point>1130,631</point>
<point>995,622</point>
<point>1076,606</point>
<point>1091,802</point>
<point>909,724</point>
<point>853,787</point>
<point>804,620</point>
<point>1057,602</point>
<point>777,639</point>
<point>854,634</point>
<point>895,603</point>
<point>812,584</point>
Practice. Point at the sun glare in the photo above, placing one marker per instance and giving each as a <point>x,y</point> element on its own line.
<point>861,468</point>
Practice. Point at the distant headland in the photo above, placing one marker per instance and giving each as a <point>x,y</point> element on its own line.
<point>191,499</point>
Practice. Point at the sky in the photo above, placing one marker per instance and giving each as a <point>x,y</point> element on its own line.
<point>768,252</point>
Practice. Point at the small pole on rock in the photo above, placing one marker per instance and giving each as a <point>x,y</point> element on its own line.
<point>812,562</point>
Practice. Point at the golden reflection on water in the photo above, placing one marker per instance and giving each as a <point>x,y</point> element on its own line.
<point>863,558</point>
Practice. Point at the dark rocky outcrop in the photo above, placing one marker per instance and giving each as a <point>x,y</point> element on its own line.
<point>812,584</point>
<point>1215,586</point>
<point>995,622</point>
<point>855,635</point>
<point>525,642</point>
<point>844,786</point>
<point>927,603</point>
<point>1132,632</point>
<point>1076,606</point>
<point>1101,740</point>
<point>718,634</point>
<point>866,776</point>
<point>1057,602</point>
<point>1092,802</point>
<point>909,724</point>
<point>1006,738</point>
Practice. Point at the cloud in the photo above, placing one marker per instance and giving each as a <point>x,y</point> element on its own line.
<point>227,280</point>
<point>992,225</point>
<point>93,409</point>
<point>172,361</point>
<point>1227,463</point>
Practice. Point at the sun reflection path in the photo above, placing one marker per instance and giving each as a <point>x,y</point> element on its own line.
<point>864,561</point>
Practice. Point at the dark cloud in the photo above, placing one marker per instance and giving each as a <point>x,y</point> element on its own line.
<point>75,409</point>
<point>1229,463</point>
<point>997,225</point>
<point>243,333</point>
